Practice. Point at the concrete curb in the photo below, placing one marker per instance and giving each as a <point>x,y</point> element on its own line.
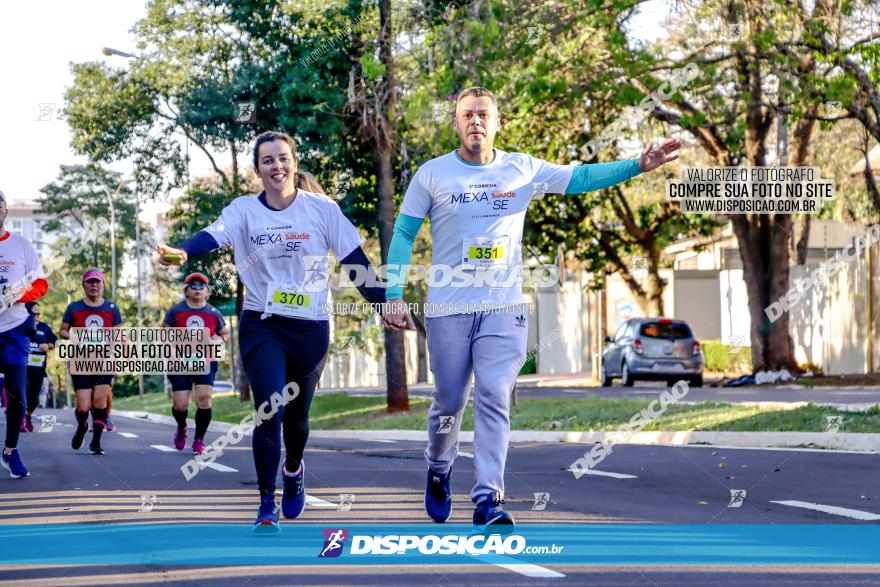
<point>848,441</point>
<point>776,405</point>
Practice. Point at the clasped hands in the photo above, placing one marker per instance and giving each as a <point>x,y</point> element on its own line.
<point>395,316</point>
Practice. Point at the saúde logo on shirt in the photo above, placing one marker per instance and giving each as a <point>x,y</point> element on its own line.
<point>499,198</point>
<point>275,236</point>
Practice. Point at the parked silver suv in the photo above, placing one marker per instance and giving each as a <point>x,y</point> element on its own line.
<point>655,349</point>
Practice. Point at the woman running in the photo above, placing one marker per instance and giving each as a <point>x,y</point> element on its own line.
<point>280,240</point>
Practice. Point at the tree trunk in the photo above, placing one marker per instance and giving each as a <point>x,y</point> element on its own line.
<point>763,245</point>
<point>395,358</point>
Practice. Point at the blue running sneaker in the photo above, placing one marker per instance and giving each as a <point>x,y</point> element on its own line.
<point>438,498</point>
<point>267,517</point>
<point>489,513</point>
<point>12,463</point>
<point>293,499</point>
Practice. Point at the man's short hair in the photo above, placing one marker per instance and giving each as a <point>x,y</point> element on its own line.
<point>477,92</point>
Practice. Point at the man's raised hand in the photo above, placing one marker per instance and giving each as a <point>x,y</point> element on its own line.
<point>656,155</point>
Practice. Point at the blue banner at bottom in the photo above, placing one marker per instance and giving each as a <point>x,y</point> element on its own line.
<point>299,544</point>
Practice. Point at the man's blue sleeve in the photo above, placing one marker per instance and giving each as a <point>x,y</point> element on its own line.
<point>406,228</point>
<point>597,176</point>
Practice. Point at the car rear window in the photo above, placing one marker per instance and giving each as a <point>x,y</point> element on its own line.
<point>665,330</point>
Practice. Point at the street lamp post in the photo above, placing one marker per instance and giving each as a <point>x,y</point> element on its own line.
<point>109,52</point>
<point>110,200</point>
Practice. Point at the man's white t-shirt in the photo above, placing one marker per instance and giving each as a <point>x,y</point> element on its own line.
<point>19,267</point>
<point>477,214</point>
<point>281,255</point>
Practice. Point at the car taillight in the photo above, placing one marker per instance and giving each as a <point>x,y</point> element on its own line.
<point>637,345</point>
<point>697,348</point>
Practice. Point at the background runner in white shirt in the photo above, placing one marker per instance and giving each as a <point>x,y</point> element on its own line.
<point>21,280</point>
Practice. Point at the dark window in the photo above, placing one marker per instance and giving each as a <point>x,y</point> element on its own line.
<point>665,330</point>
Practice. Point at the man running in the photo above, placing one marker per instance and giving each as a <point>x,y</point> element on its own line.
<point>477,198</point>
<point>194,312</point>
<point>281,239</point>
<point>92,391</point>
<point>42,342</point>
<point>21,280</point>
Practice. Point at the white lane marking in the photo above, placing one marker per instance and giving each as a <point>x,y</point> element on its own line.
<point>529,570</point>
<point>312,500</point>
<point>215,466</point>
<point>831,509</point>
<point>221,468</point>
<point>465,454</point>
<point>128,435</point>
<point>605,474</point>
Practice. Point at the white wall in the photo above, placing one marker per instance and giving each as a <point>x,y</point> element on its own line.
<point>736,323</point>
<point>561,337</point>
<point>697,300</point>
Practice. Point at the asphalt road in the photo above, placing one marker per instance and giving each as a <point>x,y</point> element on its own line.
<point>633,485</point>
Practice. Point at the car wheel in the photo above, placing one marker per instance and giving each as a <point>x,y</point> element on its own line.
<point>697,381</point>
<point>607,381</point>
<point>625,376</point>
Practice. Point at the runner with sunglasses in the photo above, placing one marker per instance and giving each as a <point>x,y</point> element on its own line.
<point>194,312</point>
<point>280,240</point>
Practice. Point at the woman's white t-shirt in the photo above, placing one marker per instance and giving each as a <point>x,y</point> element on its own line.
<point>281,255</point>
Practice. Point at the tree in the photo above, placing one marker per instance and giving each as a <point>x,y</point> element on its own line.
<point>193,71</point>
<point>730,112</point>
<point>79,204</point>
<point>548,64</point>
<point>374,103</point>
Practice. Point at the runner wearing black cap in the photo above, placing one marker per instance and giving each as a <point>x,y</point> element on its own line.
<point>194,312</point>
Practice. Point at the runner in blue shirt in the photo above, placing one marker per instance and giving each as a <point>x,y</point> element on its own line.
<point>42,341</point>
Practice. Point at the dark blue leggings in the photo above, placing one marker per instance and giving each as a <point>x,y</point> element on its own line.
<point>275,352</point>
<point>16,402</point>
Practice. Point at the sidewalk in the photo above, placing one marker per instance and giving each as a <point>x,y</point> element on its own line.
<point>561,380</point>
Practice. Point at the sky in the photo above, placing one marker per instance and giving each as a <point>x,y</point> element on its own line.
<point>39,41</point>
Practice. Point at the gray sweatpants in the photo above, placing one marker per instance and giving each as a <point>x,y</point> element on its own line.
<point>492,346</point>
